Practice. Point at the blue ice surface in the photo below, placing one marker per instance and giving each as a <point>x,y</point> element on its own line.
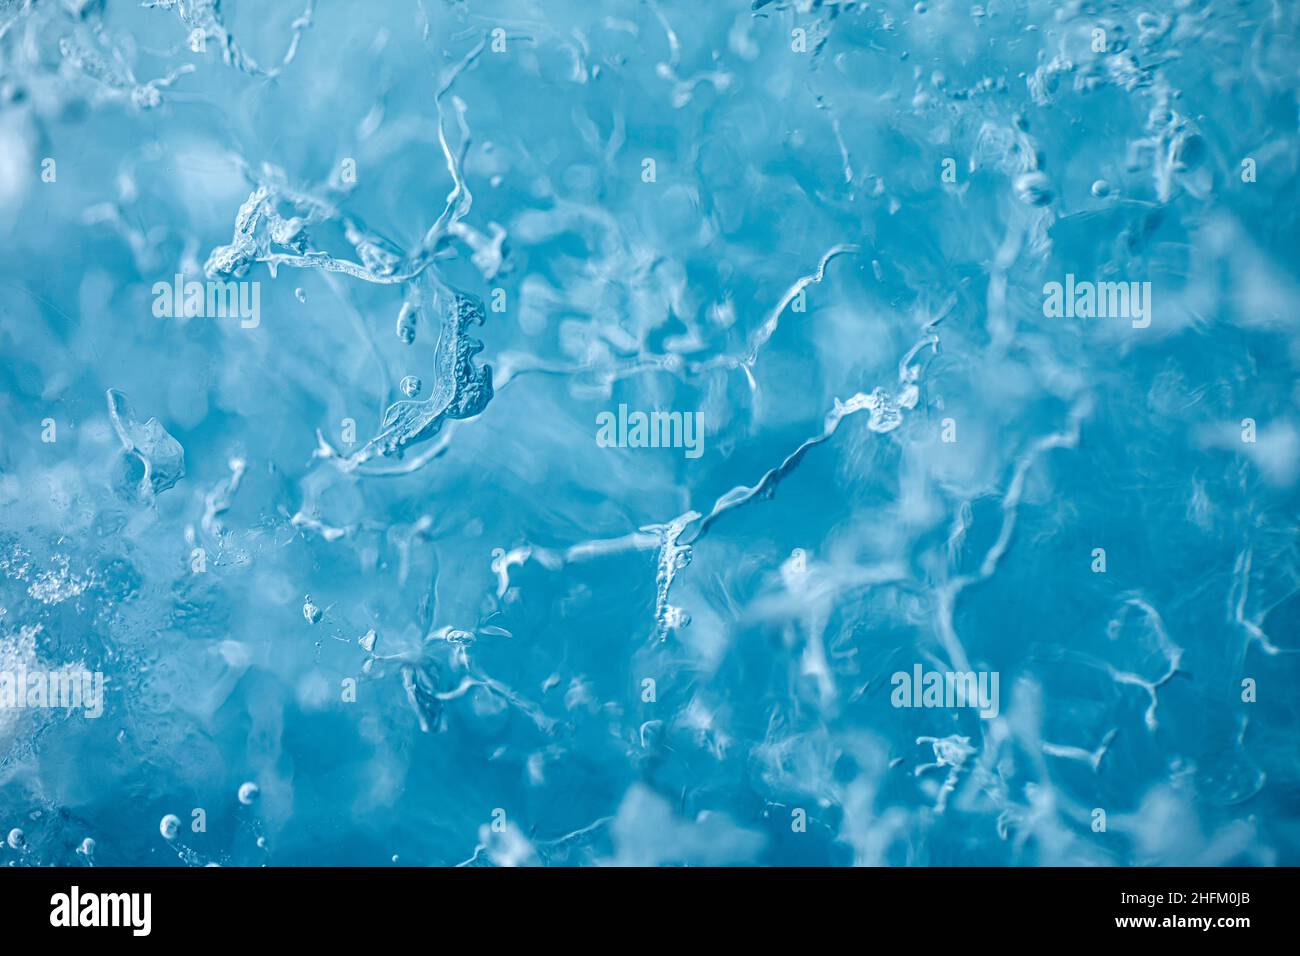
<point>359,542</point>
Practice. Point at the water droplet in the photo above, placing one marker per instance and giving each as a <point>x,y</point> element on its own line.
<point>170,826</point>
<point>1034,188</point>
<point>248,792</point>
<point>411,385</point>
<point>406,323</point>
<point>310,611</point>
<point>1101,189</point>
<point>300,295</point>
<point>16,839</point>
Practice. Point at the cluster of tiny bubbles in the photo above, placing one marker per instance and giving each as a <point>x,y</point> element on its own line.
<point>248,792</point>
<point>170,826</point>
<point>410,386</point>
<point>676,617</point>
<point>310,611</point>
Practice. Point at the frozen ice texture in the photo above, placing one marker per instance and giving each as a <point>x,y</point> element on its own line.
<point>445,626</point>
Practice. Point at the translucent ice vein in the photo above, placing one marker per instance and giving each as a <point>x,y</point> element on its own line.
<point>161,458</point>
<point>461,389</point>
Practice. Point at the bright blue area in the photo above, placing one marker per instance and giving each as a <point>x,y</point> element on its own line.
<point>827,232</point>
